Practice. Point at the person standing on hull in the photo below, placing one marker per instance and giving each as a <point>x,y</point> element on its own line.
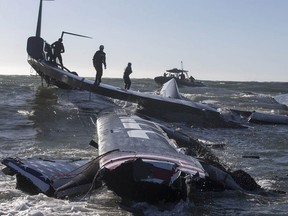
<point>99,58</point>
<point>58,48</point>
<point>127,72</point>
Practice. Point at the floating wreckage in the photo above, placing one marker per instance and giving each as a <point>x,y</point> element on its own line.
<point>137,160</point>
<point>267,118</point>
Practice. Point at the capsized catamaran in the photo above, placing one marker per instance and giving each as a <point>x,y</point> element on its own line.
<point>175,107</point>
<point>138,159</point>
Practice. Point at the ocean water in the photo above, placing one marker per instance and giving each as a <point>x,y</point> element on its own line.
<point>41,121</point>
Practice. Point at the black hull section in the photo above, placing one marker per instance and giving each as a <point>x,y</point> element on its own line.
<point>121,180</point>
<point>195,113</point>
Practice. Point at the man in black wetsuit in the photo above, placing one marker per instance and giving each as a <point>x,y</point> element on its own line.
<point>99,58</point>
<point>58,48</point>
<point>126,77</point>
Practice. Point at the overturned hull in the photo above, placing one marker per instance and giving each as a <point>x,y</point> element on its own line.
<point>176,108</point>
<point>146,164</point>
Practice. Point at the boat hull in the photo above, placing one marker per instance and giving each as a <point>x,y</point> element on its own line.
<point>140,161</point>
<point>175,109</point>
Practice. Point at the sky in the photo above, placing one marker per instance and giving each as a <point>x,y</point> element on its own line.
<point>229,40</point>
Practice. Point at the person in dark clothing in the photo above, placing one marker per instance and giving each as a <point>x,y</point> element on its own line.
<point>127,72</point>
<point>49,53</point>
<point>58,48</point>
<point>99,58</point>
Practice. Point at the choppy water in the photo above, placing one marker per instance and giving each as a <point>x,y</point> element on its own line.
<point>37,121</point>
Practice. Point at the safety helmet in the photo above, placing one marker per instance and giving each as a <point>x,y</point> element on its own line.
<point>101,47</point>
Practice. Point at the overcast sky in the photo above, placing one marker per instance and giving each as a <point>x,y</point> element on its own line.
<point>237,40</point>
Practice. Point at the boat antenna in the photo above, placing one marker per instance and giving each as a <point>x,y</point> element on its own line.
<point>38,29</point>
<point>63,32</point>
<point>182,66</point>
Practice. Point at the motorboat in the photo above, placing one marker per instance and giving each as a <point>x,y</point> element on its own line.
<point>181,76</point>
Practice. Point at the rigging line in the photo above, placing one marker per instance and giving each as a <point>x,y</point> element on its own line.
<point>78,35</point>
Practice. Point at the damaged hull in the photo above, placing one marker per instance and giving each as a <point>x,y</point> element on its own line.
<point>40,175</point>
<point>136,160</point>
<point>146,164</point>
